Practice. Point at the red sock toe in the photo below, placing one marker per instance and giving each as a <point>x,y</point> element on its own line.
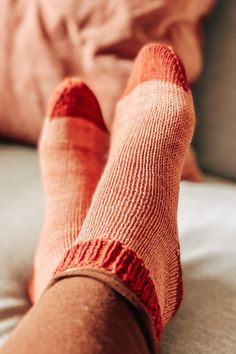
<point>68,101</point>
<point>168,67</point>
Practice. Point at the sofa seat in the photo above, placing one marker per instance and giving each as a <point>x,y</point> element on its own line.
<point>206,321</point>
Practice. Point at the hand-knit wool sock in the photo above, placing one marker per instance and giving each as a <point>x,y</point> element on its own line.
<point>73,148</point>
<point>131,227</point>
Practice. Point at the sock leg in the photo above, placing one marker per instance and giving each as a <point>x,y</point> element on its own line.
<point>97,321</point>
<point>131,227</point>
<point>72,150</point>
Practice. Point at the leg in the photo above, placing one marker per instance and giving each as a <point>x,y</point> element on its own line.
<point>79,315</point>
<point>130,230</point>
<point>72,149</point>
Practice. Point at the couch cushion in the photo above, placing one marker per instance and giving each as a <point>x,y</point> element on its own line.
<point>207,318</point>
<point>215,94</point>
<point>20,216</point>
<point>206,321</point>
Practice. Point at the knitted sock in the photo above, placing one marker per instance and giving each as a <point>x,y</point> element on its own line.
<point>131,230</point>
<point>72,155</point>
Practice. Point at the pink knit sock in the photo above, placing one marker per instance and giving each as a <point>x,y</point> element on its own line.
<point>131,228</point>
<point>72,150</point>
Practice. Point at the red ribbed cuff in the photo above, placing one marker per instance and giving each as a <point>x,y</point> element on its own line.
<point>121,261</point>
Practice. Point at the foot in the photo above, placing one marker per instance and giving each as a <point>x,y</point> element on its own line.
<point>72,151</point>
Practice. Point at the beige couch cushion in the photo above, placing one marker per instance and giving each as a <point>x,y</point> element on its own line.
<point>20,221</point>
<point>206,321</point>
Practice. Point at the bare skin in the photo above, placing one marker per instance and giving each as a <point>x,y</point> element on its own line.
<point>80,315</point>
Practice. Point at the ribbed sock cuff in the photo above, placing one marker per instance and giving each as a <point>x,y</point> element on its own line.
<point>117,259</point>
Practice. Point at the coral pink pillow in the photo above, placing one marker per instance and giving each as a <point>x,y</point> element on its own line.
<point>41,44</point>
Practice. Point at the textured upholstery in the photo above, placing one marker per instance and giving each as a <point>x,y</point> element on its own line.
<point>206,321</point>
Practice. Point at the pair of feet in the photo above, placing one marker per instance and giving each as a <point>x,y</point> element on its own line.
<point>116,212</point>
